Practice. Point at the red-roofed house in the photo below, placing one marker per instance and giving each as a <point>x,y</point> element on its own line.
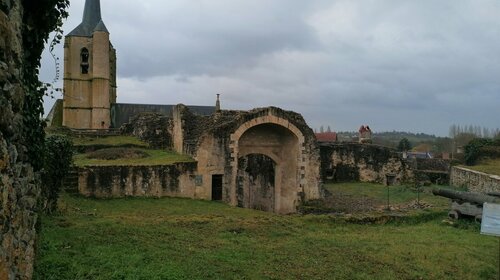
<point>326,137</point>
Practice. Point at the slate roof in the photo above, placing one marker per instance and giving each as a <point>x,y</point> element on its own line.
<point>91,21</point>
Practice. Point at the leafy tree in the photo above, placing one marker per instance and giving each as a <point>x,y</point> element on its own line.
<point>58,159</point>
<point>472,150</point>
<point>404,145</point>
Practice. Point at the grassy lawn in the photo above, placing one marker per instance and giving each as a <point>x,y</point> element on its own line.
<point>155,157</point>
<point>397,194</point>
<point>109,141</point>
<point>490,166</point>
<point>353,198</point>
<point>186,239</point>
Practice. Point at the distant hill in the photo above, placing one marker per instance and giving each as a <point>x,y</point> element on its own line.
<point>392,138</point>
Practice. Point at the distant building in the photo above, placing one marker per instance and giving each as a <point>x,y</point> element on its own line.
<point>326,137</point>
<point>365,134</point>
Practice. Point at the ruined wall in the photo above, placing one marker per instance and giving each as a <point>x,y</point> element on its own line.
<point>362,162</point>
<point>175,180</point>
<point>19,189</point>
<point>152,128</point>
<point>474,181</point>
<point>122,113</point>
<point>212,142</point>
<point>431,170</point>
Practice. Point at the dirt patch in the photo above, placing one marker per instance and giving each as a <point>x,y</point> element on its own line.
<point>117,153</point>
<point>341,203</point>
<point>344,203</point>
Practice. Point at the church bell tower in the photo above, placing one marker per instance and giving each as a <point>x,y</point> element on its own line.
<point>89,72</point>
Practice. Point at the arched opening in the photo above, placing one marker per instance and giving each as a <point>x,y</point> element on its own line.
<point>268,168</point>
<point>84,60</point>
<point>255,186</point>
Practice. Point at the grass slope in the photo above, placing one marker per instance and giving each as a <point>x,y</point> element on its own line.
<point>490,166</point>
<point>397,194</point>
<point>155,157</point>
<point>109,141</point>
<point>186,239</point>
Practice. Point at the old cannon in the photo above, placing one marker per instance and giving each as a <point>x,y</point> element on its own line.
<point>466,203</point>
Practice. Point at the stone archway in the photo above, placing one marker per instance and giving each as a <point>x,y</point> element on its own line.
<point>280,141</point>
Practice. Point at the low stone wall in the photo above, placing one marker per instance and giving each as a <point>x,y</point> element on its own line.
<point>177,180</point>
<point>474,181</point>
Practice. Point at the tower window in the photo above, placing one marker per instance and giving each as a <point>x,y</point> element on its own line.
<point>84,61</point>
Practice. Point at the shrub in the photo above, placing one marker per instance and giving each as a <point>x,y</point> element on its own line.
<point>473,149</point>
<point>490,152</point>
<point>58,157</point>
<point>404,145</point>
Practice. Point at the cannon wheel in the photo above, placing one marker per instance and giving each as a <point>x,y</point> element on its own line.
<point>454,214</point>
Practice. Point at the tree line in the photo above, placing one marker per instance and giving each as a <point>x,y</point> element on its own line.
<point>474,130</point>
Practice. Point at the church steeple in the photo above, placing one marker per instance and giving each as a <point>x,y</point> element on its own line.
<point>89,72</point>
<point>91,21</point>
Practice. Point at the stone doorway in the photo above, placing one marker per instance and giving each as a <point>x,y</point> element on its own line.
<point>256,182</point>
<point>217,187</point>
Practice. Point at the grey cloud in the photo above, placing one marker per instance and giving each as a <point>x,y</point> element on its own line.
<point>404,65</point>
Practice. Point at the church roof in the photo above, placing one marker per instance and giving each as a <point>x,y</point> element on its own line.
<point>91,21</point>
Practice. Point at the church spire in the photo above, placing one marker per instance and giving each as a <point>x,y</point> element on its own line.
<point>91,21</point>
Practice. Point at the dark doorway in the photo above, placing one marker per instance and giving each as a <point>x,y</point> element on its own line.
<point>255,182</point>
<point>216,187</point>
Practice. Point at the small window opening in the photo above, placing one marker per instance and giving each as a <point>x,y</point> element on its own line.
<point>84,64</point>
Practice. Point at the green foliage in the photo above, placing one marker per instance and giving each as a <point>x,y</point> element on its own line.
<point>490,151</point>
<point>40,18</point>
<point>472,151</point>
<point>58,159</point>
<point>404,145</point>
<point>172,238</point>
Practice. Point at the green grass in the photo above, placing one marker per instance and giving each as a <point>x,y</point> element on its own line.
<point>397,194</point>
<point>109,141</point>
<point>490,166</point>
<point>173,238</point>
<point>155,157</point>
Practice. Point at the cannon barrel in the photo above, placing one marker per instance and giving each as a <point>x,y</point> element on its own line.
<point>477,198</point>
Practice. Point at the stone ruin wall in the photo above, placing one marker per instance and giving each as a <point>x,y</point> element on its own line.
<point>208,140</point>
<point>431,170</point>
<point>176,180</point>
<point>153,128</point>
<point>19,187</point>
<point>210,143</point>
<point>362,163</point>
<point>474,181</point>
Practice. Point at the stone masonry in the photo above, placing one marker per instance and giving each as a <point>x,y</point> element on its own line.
<point>19,188</point>
<point>474,181</point>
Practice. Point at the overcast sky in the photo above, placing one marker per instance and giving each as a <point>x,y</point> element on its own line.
<point>417,65</point>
